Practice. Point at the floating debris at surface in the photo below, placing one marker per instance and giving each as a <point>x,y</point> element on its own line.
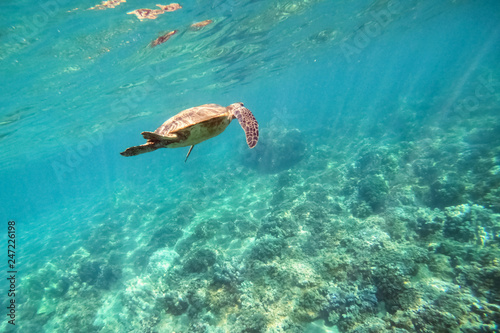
<point>108,4</point>
<point>199,25</point>
<point>145,13</point>
<point>163,38</point>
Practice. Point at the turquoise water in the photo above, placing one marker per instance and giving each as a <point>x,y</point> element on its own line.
<point>370,204</point>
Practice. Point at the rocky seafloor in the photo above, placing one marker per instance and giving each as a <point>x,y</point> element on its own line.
<point>378,229</point>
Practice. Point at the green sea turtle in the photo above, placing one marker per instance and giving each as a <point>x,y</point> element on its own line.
<point>195,125</point>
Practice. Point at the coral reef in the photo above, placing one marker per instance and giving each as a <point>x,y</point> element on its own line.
<point>372,235</point>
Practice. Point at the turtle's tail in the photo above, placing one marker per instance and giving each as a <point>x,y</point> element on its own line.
<point>145,148</point>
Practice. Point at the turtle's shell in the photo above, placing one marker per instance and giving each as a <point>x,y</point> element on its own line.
<point>197,124</point>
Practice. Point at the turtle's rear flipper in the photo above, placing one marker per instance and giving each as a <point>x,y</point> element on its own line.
<point>152,136</point>
<point>249,125</point>
<point>132,151</point>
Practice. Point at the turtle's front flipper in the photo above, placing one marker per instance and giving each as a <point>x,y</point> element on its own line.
<point>249,125</point>
<point>189,152</point>
<point>145,148</point>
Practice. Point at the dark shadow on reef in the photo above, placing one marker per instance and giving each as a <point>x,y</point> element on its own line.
<point>278,149</point>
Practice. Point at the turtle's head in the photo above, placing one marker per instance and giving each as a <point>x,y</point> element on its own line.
<point>234,107</point>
